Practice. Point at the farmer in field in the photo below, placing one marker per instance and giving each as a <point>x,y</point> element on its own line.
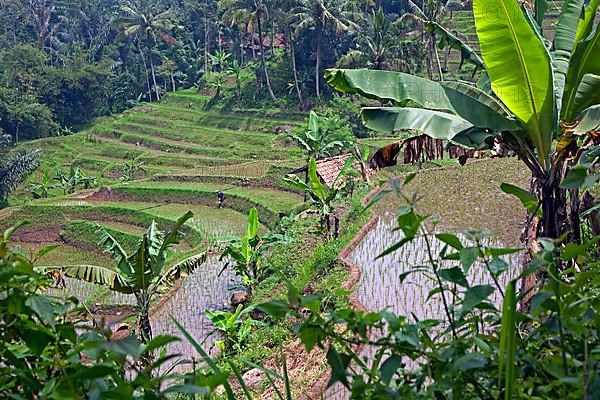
<point>220,198</point>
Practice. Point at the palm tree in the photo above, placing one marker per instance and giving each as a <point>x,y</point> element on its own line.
<point>253,13</point>
<point>376,43</point>
<point>14,168</point>
<point>144,273</point>
<point>544,104</point>
<point>144,23</point>
<point>284,15</point>
<point>320,15</point>
<point>431,13</point>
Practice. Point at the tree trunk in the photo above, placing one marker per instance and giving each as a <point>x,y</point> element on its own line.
<point>262,58</point>
<point>437,57</point>
<point>142,56</point>
<point>560,219</point>
<point>296,84</point>
<point>318,58</point>
<point>173,81</point>
<point>153,76</point>
<point>144,327</point>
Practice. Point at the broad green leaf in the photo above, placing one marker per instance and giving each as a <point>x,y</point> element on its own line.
<point>98,275</point>
<point>519,67</point>
<point>389,368</point>
<point>315,181</point>
<point>475,296</point>
<point>470,361</point>
<point>564,40</point>
<point>468,256</point>
<point>36,340</point>
<point>584,61</point>
<point>587,95</point>
<point>466,101</point>
<point>454,275</point>
<point>587,21</point>
<point>529,201</point>
<point>451,240</point>
<point>252,226</point>
<point>589,120</point>
<point>42,306</point>
<point>437,124</point>
<point>275,308</point>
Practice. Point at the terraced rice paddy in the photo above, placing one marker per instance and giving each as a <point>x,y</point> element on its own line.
<point>186,154</point>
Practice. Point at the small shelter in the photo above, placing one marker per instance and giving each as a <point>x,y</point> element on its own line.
<point>329,168</point>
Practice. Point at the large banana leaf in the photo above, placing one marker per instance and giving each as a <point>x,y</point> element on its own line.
<point>587,22</point>
<point>172,273</point>
<point>252,226</point>
<point>519,67</point>
<point>588,92</point>
<point>98,275</point>
<point>468,102</point>
<point>437,124</point>
<point>584,61</point>
<point>564,40</point>
<point>589,120</point>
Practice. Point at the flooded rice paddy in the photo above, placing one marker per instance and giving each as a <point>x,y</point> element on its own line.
<point>380,286</point>
<point>205,289</point>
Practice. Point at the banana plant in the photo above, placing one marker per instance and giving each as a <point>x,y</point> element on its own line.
<point>235,328</point>
<point>41,189</point>
<point>70,182</point>
<point>544,101</point>
<point>322,198</point>
<point>317,141</point>
<point>145,273</point>
<point>247,251</point>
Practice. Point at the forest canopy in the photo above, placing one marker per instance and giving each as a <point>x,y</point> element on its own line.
<point>63,63</point>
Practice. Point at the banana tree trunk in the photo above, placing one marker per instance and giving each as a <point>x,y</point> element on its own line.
<point>262,58</point>
<point>559,219</point>
<point>144,327</point>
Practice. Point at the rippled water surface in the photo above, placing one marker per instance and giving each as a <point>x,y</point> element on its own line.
<point>380,287</point>
<point>203,290</point>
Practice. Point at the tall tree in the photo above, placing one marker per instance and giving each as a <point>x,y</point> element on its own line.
<point>255,12</point>
<point>144,23</point>
<point>375,43</point>
<point>322,15</point>
<point>424,18</point>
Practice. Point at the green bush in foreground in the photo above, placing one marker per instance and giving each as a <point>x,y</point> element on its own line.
<point>46,354</point>
<point>475,351</point>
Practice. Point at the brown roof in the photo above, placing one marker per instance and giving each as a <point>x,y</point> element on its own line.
<point>329,168</point>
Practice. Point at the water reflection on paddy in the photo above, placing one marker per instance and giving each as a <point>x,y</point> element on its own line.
<point>380,286</point>
<point>204,289</point>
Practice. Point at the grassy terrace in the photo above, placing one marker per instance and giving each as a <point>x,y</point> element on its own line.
<point>178,142</point>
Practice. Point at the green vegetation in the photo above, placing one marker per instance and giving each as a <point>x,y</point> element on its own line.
<point>153,157</point>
